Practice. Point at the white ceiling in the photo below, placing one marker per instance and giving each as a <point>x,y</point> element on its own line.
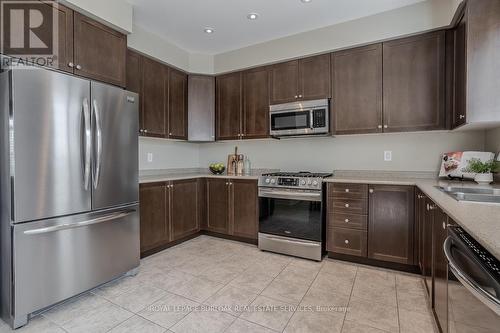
<point>182,21</point>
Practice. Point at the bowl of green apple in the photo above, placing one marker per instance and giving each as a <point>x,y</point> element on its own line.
<point>217,168</point>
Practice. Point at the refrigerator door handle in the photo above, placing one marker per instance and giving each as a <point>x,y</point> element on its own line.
<point>106,218</point>
<point>99,144</point>
<point>88,142</point>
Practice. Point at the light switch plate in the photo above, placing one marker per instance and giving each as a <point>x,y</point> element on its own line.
<point>150,157</point>
<point>387,155</point>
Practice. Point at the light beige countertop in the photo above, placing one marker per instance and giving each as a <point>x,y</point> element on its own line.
<point>480,220</point>
<point>154,176</point>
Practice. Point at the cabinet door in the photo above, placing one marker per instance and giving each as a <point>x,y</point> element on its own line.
<point>459,116</point>
<point>256,103</point>
<point>285,82</point>
<point>244,208</point>
<point>357,90</point>
<point>218,205</point>
<point>99,51</point>
<point>154,215</point>
<point>229,106</point>
<point>154,121</point>
<point>134,78</point>
<point>427,228</point>
<point>440,269</point>
<point>419,228</point>
<point>391,217</point>
<point>64,58</point>
<point>414,83</point>
<point>184,208</point>
<point>177,104</point>
<point>314,77</point>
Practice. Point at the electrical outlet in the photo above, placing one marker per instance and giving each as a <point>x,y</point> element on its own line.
<point>387,155</point>
<point>150,157</point>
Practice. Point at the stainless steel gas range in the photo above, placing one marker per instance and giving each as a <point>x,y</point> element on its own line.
<point>292,214</point>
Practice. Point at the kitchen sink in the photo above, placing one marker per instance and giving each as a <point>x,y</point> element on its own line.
<point>486,195</point>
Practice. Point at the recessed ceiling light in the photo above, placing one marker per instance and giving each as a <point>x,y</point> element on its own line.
<point>209,30</point>
<point>252,16</point>
<point>305,1</point>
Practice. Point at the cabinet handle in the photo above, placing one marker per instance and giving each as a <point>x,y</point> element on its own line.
<point>346,190</point>
<point>78,67</point>
<point>346,220</point>
<point>444,225</point>
<point>432,207</point>
<point>385,126</point>
<point>346,205</point>
<point>346,241</point>
<point>371,190</point>
<point>300,96</point>
<point>145,131</point>
<point>296,96</point>
<point>379,126</point>
<point>71,65</point>
<point>461,116</point>
<point>227,184</point>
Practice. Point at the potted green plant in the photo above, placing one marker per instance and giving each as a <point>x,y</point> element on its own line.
<point>483,170</point>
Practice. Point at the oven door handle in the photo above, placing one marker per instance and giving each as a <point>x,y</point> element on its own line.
<point>306,196</point>
<point>484,296</point>
<point>292,242</point>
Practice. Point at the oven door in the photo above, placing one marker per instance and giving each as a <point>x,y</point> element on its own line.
<point>473,292</point>
<point>291,122</point>
<point>290,213</point>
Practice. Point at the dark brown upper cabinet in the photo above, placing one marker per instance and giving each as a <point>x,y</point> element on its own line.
<point>99,51</point>
<point>163,95</point>
<point>477,66</point>
<point>391,217</point>
<point>357,90</point>
<point>177,104</point>
<point>256,103</point>
<point>414,83</point>
<point>303,79</point>
<point>154,97</point>
<point>229,106</point>
<point>184,219</point>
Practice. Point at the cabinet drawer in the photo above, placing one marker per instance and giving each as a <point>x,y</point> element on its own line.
<point>351,221</point>
<point>347,241</point>
<point>349,191</point>
<point>348,206</point>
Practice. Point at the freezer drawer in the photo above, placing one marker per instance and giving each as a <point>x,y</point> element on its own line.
<point>59,258</point>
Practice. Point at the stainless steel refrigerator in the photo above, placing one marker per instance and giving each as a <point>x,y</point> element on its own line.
<point>69,188</point>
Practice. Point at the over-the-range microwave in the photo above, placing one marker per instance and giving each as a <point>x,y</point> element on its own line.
<point>300,118</point>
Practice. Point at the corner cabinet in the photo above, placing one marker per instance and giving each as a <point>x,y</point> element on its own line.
<point>303,79</point>
<point>414,83</point>
<point>163,94</point>
<point>232,207</point>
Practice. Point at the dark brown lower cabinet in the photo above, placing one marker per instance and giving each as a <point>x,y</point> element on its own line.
<point>218,205</point>
<point>244,195</point>
<point>154,215</point>
<point>440,268</point>
<point>232,207</point>
<point>184,218</point>
<point>391,223</point>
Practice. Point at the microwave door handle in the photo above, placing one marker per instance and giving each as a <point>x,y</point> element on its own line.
<point>483,295</point>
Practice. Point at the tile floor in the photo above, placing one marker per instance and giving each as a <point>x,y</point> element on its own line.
<point>214,285</point>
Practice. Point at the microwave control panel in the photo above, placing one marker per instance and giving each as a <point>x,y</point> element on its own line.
<point>319,118</point>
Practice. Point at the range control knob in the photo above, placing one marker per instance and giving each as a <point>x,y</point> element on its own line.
<point>302,182</point>
<point>273,181</point>
<point>315,183</point>
<point>268,180</point>
<point>309,182</point>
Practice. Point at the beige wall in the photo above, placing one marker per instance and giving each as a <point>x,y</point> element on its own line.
<point>411,151</point>
<point>493,140</point>
<point>168,154</point>
<point>419,17</point>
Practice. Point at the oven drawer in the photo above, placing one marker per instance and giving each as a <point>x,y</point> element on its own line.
<point>347,241</point>
<point>349,191</point>
<point>349,206</point>
<point>352,221</point>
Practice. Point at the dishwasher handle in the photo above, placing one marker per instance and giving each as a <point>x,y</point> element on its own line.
<point>488,299</point>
